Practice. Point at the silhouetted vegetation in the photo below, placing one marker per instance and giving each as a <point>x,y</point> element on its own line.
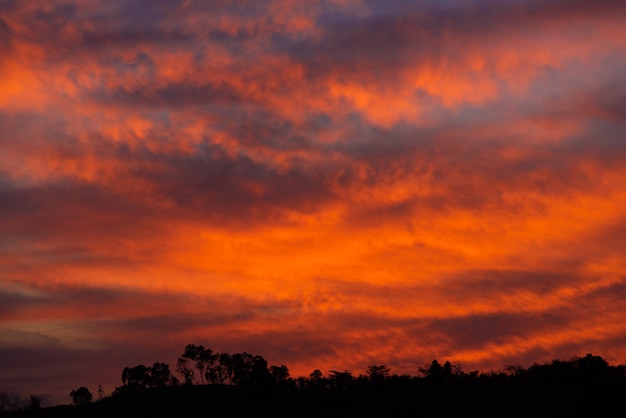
<point>81,396</point>
<point>13,403</point>
<point>244,384</point>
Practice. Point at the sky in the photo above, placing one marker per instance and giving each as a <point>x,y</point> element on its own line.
<point>330,184</point>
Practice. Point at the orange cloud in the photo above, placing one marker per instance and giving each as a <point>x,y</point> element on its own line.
<point>327,184</point>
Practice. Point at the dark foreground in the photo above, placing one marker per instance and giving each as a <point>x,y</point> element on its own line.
<point>388,400</point>
<point>580,387</point>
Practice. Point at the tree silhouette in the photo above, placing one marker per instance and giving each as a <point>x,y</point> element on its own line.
<point>447,370</point>
<point>223,369</point>
<point>160,375</point>
<point>592,368</point>
<point>377,374</point>
<point>248,369</point>
<point>316,375</point>
<point>182,366</point>
<point>100,392</point>
<point>340,380</point>
<point>142,377</point>
<point>435,372</point>
<point>34,402</point>
<point>81,396</point>
<point>279,374</point>
<point>202,359</point>
<point>317,379</point>
<point>137,377</point>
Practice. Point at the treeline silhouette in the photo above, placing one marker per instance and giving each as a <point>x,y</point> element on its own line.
<point>244,384</point>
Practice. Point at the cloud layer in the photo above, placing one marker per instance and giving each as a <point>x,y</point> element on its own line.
<point>330,184</point>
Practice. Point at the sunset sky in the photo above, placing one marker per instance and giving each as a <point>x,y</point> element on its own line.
<point>327,183</point>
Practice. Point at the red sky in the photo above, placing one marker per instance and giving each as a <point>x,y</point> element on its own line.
<point>329,184</point>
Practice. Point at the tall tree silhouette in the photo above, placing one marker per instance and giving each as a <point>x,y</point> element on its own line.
<point>183,367</point>
<point>222,369</point>
<point>201,358</point>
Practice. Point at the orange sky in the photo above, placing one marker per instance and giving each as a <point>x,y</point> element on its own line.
<point>329,184</point>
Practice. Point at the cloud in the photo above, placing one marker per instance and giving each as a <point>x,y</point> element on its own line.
<point>327,184</point>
